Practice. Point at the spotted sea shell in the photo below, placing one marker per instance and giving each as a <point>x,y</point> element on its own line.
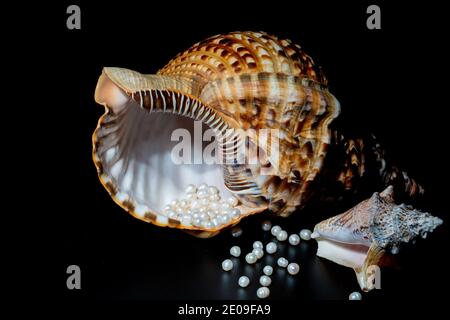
<point>360,237</point>
<point>236,84</point>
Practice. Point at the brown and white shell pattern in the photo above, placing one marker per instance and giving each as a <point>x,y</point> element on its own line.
<point>241,80</point>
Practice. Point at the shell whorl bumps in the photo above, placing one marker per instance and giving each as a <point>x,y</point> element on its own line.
<point>391,224</point>
<point>359,237</point>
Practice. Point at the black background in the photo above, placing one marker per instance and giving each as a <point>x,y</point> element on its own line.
<point>388,81</point>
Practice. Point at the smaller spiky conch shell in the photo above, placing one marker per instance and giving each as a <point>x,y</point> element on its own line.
<point>360,237</point>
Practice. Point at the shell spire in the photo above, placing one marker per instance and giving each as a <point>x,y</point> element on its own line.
<point>359,237</point>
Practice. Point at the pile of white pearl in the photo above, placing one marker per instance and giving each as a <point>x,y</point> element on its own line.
<point>203,207</point>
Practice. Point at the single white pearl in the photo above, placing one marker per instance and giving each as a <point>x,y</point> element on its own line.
<point>258,245</point>
<point>196,215</point>
<point>224,218</point>
<point>214,205</point>
<point>282,235</point>
<point>271,247</point>
<point>236,232</point>
<point>250,258</point>
<point>195,204</point>
<point>235,213</point>
<point>224,205</point>
<point>184,203</point>
<point>282,262</point>
<point>227,265</point>
<point>268,270</point>
<point>203,186</point>
<point>202,193</point>
<point>266,225</point>
<point>305,234</point>
<point>265,281</point>
<point>243,281</point>
<point>293,268</point>
<point>263,292</point>
<point>174,203</point>
<point>214,197</point>
<point>355,296</point>
<point>235,251</point>
<point>208,224</point>
<point>204,202</point>
<point>232,201</point>
<point>179,210</point>
<point>191,196</point>
<point>191,189</point>
<point>259,253</point>
<point>294,239</point>
<point>171,214</point>
<point>167,208</point>
<point>186,219</point>
<point>215,222</point>
<point>275,230</point>
<point>210,213</point>
<point>197,222</point>
<point>213,190</point>
<point>203,216</point>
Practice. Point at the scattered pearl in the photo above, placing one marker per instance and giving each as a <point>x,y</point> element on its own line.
<point>275,230</point>
<point>191,189</point>
<point>268,270</point>
<point>282,235</point>
<point>236,232</point>
<point>293,268</point>
<point>213,190</point>
<point>265,281</point>
<point>294,239</point>
<point>258,245</point>
<point>263,292</point>
<point>266,225</point>
<point>250,258</point>
<point>282,262</point>
<point>355,296</point>
<point>305,234</point>
<point>232,201</point>
<point>235,251</point>
<point>271,247</point>
<point>243,281</point>
<point>259,253</point>
<point>227,265</point>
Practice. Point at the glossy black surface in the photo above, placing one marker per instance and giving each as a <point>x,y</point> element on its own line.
<point>386,80</point>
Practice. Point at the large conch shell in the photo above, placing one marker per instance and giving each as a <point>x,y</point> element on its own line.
<point>359,237</point>
<point>241,80</point>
